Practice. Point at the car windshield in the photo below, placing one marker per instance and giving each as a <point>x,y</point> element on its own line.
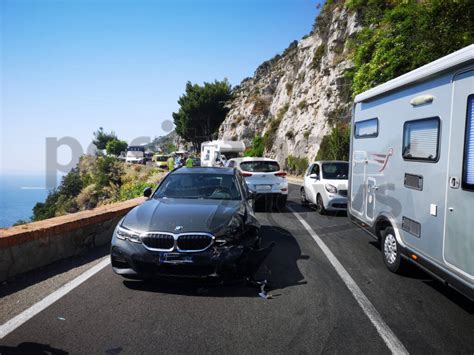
<point>335,171</point>
<point>260,166</point>
<point>161,158</point>
<point>203,186</point>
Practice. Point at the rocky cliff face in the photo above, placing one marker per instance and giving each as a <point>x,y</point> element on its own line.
<point>294,99</point>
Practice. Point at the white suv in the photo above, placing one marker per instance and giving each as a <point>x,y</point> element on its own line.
<point>325,185</point>
<point>264,177</point>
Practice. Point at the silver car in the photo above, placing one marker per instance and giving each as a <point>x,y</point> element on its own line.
<point>263,176</point>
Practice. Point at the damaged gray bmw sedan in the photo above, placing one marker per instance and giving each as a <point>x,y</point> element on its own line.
<point>199,223</point>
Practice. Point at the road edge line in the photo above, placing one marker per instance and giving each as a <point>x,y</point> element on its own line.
<point>387,335</point>
<point>9,326</point>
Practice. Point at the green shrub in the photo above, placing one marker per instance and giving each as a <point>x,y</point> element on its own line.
<point>261,106</point>
<point>403,35</point>
<point>289,88</point>
<point>306,134</point>
<point>336,145</point>
<point>116,146</point>
<point>296,165</point>
<point>258,147</point>
<point>318,56</point>
<point>290,134</point>
<point>302,105</point>
<point>133,189</point>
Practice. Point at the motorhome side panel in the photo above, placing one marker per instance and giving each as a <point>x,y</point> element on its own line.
<point>407,189</point>
<point>458,245</point>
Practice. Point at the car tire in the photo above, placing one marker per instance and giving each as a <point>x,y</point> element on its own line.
<point>320,205</point>
<point>391,251</point>
<point>304,200</point>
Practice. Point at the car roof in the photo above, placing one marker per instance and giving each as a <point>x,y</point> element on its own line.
<point>240,160</point>
<point>329,161</point>
<point>204,170</point>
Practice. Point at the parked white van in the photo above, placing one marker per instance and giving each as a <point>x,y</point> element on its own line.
<point>411,180</point>
<point>216,153</point>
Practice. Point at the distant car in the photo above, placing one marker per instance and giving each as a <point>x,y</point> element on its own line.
<point>263,176</point>
<point>325,185</point>
<point>135,155</point>
<point>161,161</point>
<point>199,223</point>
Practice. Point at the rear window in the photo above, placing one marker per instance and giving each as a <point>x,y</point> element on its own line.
<point>260,166</point>
<point>335,171</point>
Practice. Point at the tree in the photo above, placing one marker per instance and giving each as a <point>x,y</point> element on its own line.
<point>116,146</point>
<point>202,110</point>
<point>101,138</point>
<point>336,145</point>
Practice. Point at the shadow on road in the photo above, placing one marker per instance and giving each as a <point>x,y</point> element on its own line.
<point>33,277</point>
<point>31,348</point>
<point>414,272</point>
<point>280,269</point>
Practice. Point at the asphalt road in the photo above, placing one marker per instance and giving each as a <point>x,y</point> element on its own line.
<point>312,310</point>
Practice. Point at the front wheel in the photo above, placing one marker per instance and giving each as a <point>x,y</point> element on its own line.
<point>391,251</point>
<point>320,205</point>
<point>304,200</point>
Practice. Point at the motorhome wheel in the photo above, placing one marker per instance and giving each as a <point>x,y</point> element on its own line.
<point>391,251</point>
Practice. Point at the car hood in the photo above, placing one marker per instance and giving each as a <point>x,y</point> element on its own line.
<point>339,184</point>
<point>193,215</point>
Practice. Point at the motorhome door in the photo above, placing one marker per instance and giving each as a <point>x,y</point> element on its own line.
<point>459,227</point>
<point>358,187</point>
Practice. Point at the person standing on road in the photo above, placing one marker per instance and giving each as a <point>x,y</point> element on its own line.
<point>170,163</point>
<point>189,162</point>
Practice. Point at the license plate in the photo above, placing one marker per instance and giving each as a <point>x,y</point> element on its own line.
<point>264,187</point>
<point>175,258</point>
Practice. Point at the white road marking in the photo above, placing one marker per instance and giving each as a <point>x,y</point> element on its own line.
<point>29,313</point>
<point>388,336</point>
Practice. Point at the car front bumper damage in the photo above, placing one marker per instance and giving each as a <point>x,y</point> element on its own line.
<point>133,260</point>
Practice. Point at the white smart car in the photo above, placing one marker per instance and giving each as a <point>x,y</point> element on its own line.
<point>325,185</point>
<point>263,176</point>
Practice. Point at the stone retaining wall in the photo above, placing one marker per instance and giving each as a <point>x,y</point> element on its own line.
<point>30,246</point>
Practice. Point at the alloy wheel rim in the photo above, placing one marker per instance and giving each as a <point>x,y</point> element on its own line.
<point>390,248</point>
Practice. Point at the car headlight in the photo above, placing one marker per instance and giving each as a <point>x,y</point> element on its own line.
<point>331,188</point>
<point>232,231</point>
<point>127,234</point>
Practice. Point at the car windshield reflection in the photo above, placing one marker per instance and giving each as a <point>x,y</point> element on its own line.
<point>335,171</point>
<point>199,186</point>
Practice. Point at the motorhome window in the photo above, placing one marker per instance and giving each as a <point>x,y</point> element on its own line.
<point>468,168</point>
<point>421,139</point>
<point>367,128</point>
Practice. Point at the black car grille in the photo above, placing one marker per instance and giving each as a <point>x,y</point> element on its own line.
<point>158,241</point>
<point>193,242</point>
<point>343,192</point>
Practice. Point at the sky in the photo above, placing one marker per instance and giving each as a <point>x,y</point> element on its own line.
<point>70,67</point>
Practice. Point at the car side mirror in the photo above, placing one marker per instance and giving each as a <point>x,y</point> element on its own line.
<point>147,192</point>
<point>314,176</point>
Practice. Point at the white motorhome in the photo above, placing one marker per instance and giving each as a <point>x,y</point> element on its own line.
<point>411,182</point>
<point>215,153</point>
